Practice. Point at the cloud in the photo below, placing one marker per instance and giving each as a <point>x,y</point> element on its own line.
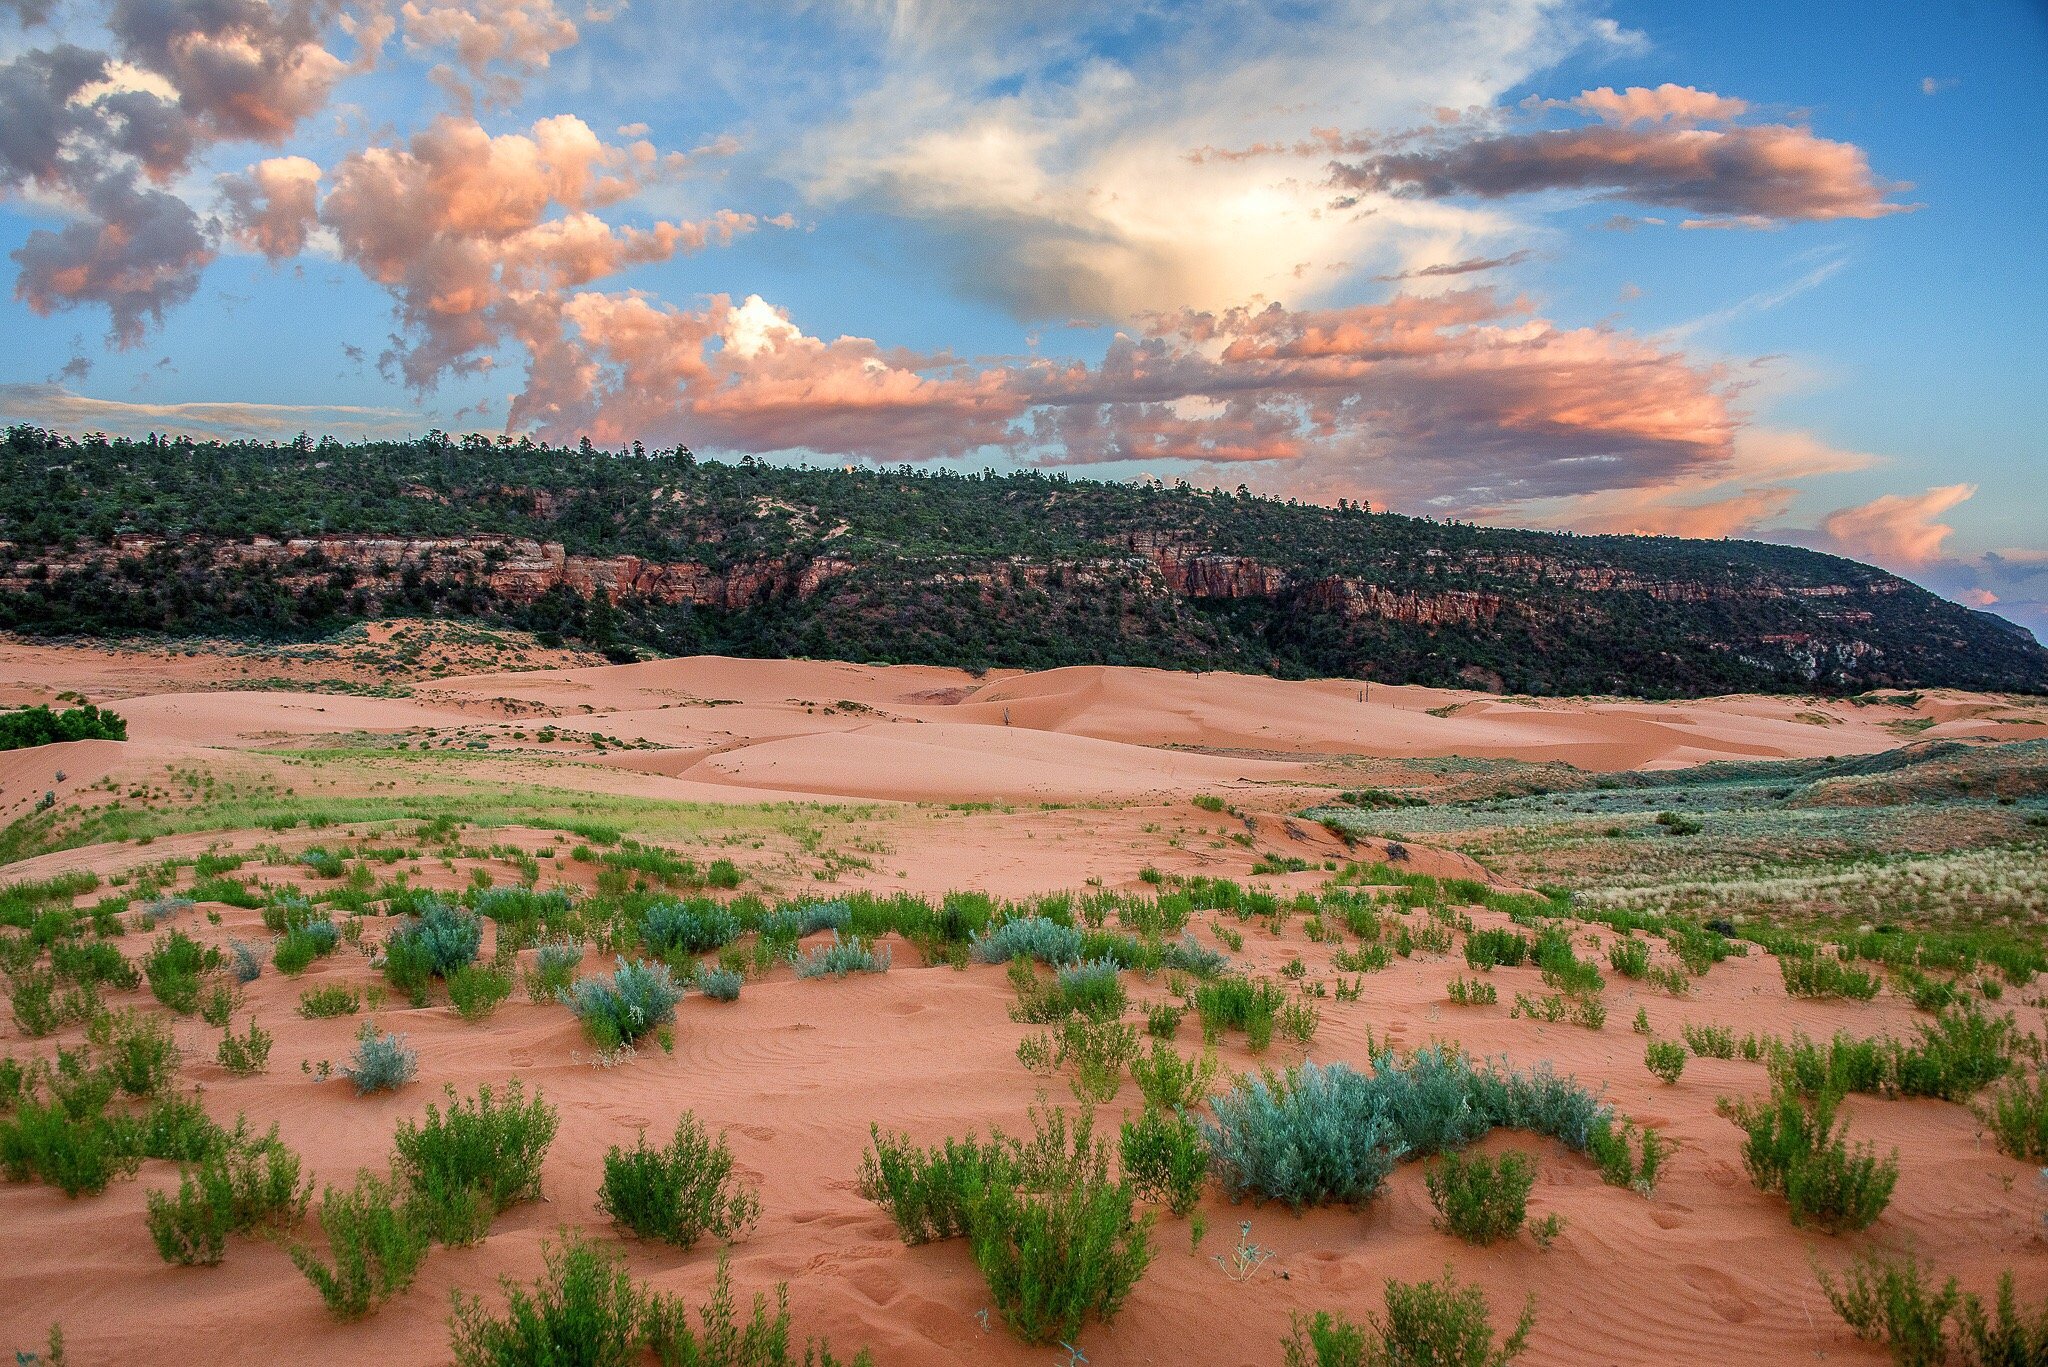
<point>494,42</point>
<point>1897,529</point>
<point>1468,266</point>
<point>274,205</point>
<point>1675,104</point>
<point>55,406</point>
<point>1748,175</point>
<point>103,134</point>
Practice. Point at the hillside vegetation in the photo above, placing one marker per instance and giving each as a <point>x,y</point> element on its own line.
<point>661,551</point>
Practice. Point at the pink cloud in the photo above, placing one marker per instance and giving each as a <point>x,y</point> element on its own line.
<point>1897,530</point>
<point>1667,103</point>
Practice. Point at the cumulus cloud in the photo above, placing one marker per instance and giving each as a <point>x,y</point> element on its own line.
<point>1668,103</point>
<point>1897,529</point>
<point>102,134</point>
<point>274,205</point>
<point>494,42</point>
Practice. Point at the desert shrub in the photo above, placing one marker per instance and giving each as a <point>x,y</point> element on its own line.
<point>793,923</point>
<point>1563,970</point>
<point>325,1003</point>
<point>466,1164</point>
<point>2007,1336</point>
<point>1825,976</point>
<point>1364,959</point>
<point>1495,948</point>
<point>1473,992</point>
<point>1443,1324</point>
<point>1162,1020</point>
<point>1709,1041</point>
<point>374,1246</point>
<point>723,873</point>
<point>247,960</point>
<point>177,1130</point>
<point>931,1194</point>
<point>323,863</point>
<point>1092,988</point>
<point>619,1007</point>
<point>1164,1158</point>
<point>682,928</point>
<point>680,1192</point>
<point>244,1185</point>
<point>475,990</point>
<point>219,1003</point>
<point>245,1055</point>
<point>381,1061</point>
<point>1890,1300</point>
<point>1959,1053</point>
<point>160,909</point>
<point>719,984</point>
<point>1793,1146</point>
<point>1665,1058</point>
<point>1064,1249</point>
<point>1099,1051</point>
<point>439,941</point>
<point>1479,1199</point>
<point>1170,1080</point>
<point>554,968</point>
<point>135,1050</point>
<point>1239,1004</point>
<point>1313,1136</point>
<point>40,1009</point>
<point>1031,937</point>
<point>295,950</point>
<point>1325,1340</point>
<point>586,1311</point>
<point>1628,1157</point>
<point>79,1155</point>
<point>843,956</point>
<point>2017,1116</point>
<point>93,962</point>
<point>174,966</point>
<point>520,912</point>
<point>1629,956</point>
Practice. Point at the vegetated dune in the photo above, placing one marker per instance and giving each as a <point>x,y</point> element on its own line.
<point>1099,764</point>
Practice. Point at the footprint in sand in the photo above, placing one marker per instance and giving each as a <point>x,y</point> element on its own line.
<point>1724,1295</point>
<point>758,1133</point>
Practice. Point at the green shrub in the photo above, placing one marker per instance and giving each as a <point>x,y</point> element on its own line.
<point>243,1186</point>
<point>441,940</point>
<point>93,963</point>
<point>381,1061</point>
<point>1482,1200</point>
<point>2007,1336</point>
<point>586,1311</point>
<point>40,1009</point>
<point>1793,1146</point>
<point>1625,1162</point>
<point>1066,1249</point>
<point>1314,1137</point>
<point>720,984</point>
<point>685,928</point>
<point>1162,1020</point>
<point>620,1007</point>
<point>1427,1324</point>
<point>1665,1058</point>
<point>2017,1116</point>
<point>1485,949</point>
<point>25,727</point>
<point>843,956</point>
<point>245,1055</point>
<point>1890,1301</point>
<point>174,966</point>
<point>1709,1041</point>
<point>1092,988</point>
<point>1164,1158</point>
<point>1239,1004</point>
<point>723,873</point>
<point>77,1155</point>
<point>176,1130</point>
<point>247,960</point>
<point>554,967</point>
<point>1473,992</point>
<point>1170,1080</point>
<point>1099,1051</point>
<point>136,1051</point>
<point>325,1003</point>
<point>475,990</point>
<point>1824,976</point>
<point>680,1192</point>
<point>1630,957</point>
<point>374,1246</point>
<point>477,1158</point>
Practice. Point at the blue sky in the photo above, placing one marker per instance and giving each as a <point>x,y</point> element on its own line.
<point>1713,270</point>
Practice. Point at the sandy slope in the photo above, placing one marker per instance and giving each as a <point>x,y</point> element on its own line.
<point>1706,1271</point>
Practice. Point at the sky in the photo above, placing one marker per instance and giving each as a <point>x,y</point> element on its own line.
<point>1711,270</point>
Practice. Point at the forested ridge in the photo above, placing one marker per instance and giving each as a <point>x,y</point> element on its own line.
<point>662,551</point>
